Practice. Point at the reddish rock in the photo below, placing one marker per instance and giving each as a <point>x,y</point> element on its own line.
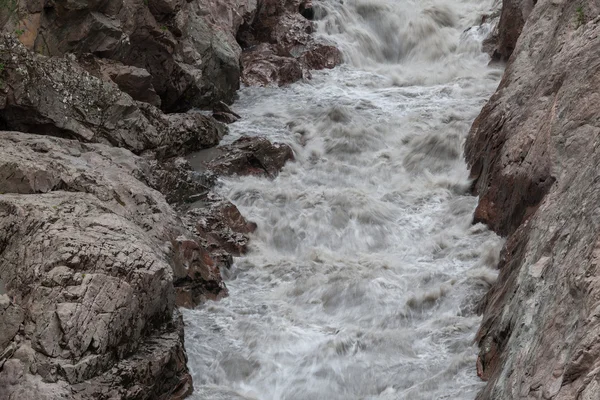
<point>220,228</point>
<point>534,156</point>
<point>264,67</point>
<point>279,48</point>
<point>198,275</point>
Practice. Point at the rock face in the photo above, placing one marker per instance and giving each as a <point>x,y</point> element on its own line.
<point>188,48</point>
<point>104,227</point>
<point>90,263</point>
<point>534,153</point>
<point>174,54</point>
<point>55,96</point>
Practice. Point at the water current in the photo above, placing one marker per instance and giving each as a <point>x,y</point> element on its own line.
<point>364,273</point>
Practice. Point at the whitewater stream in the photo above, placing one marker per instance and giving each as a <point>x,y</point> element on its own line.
<point>364,273</point>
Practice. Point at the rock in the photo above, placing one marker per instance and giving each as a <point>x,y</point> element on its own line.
<point>188,48</point>
<point>54,96</point>
<point>223,113</point>
<point>220,225</point>
<point>11,317</point>
<point>279,47</point>
<point>250,156</point>
<point>503,40</point>
<point>534,157</point>
<point>134,81</point>
<point>199,277</point>
<point>264,67</point>
<point>94,259</point>
<point>178,181</point>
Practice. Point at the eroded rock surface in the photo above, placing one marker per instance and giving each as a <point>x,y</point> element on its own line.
<point>90,259</point>
<point>535,155</point>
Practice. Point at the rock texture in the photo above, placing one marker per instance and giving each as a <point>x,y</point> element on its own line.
<point>279,48</point>
<point>55,96</point>
<point>503,40</point>
<point>174,54</point>
<point>188,48</point>
<point>534,153</point>
<point>249,156</point>
<point>104,227</point>
<point>90,259</point>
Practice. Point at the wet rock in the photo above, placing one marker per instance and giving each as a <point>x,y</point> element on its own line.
<point>220,225</point>
<point>223,113</point>
<point>94,260</point>
<point>279,47</point>
<point>534,157</point>
<point>264,67</point>
<point>250,156</point>
<point>199,277</point>
<point>55,96</point>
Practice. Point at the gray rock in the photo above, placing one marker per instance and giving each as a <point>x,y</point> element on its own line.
<point>55,96</point>
<point>96,260</point>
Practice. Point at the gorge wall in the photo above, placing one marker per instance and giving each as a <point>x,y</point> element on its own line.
<point>534,153</point>
<point>100,241</point>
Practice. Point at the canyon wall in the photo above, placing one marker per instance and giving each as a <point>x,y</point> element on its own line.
<point>534,153</point>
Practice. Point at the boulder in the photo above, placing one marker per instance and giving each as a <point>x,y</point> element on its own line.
<point>220,225</point>
<point>249,156</point>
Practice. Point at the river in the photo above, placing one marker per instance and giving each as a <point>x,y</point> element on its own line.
<point>364,274</point>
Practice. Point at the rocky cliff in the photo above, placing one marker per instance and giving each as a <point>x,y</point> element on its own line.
<point>534,153</point>
<point>104,228</point>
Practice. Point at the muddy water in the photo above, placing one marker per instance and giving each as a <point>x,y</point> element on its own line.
<point>365,270</point>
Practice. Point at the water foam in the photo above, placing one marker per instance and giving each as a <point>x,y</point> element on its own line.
<point>365,270</point>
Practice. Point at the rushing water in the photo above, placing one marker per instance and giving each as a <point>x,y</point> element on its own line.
<point>364,271</point>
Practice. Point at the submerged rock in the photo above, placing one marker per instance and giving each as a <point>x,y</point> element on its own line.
<point>534,157</point>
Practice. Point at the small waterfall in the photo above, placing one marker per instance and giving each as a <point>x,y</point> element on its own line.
<point>365,270</point>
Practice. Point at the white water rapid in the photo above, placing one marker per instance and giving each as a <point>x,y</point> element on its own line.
<point>365,270</point>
